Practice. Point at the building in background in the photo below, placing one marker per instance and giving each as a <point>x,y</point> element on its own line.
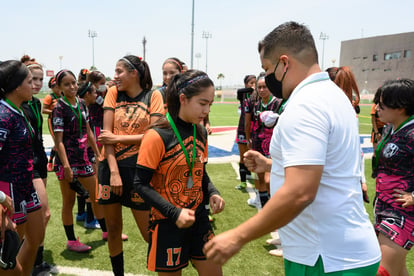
<point>374,60</point>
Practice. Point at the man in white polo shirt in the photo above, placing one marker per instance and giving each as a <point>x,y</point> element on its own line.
<point>315,169</point>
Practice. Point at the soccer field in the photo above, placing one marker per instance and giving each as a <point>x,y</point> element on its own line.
<point>253,258</point>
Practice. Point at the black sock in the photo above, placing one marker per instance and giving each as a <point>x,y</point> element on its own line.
<point>39,256</point>
<point>264,197</point>
<point>242,171</point>
<point>102,224</point>
<point>52,155</point>
<point>70,233</point>
<point>81,205</point>
<point>118,264</point>
<point>89,212</point>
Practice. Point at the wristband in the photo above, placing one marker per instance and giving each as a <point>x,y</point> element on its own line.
<point>2,197</point>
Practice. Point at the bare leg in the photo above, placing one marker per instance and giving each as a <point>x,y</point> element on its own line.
<point>142,220</point>
<point>33,231</point>
<point>90,183</point>
<point>393,256</point>
<point>113,220</point>
<point>207,268</point>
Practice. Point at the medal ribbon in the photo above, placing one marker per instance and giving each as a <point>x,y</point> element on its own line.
<point>21,113</point>
<point>79,115</point>
<point>37,114</point>
<point>177,134</point>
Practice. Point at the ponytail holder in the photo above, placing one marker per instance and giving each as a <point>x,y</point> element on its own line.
<point>83,92</point>
<point>140,58</point>
<point>191,81</point>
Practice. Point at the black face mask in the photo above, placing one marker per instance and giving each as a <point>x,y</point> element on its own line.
<point>273,84</point>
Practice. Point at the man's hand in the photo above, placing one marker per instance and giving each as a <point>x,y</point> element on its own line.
<point>222,247</point>
<point>256,162</point>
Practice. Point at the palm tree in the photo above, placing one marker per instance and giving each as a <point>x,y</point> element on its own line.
<point>220,77</point>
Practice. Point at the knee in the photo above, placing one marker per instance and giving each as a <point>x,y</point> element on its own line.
<point>114,227</point>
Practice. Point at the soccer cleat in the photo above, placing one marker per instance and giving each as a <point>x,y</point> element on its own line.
<point>275,241</point>
<point>94,224</point>
<point>278,252</point>
<point>254,202</point>
<point>44,269</point>
<point>105,236</point>
<point>241,186</point>
<point>77,246</point>
<point>81,217</point>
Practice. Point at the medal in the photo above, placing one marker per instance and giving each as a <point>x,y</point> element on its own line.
<point>190,182</point>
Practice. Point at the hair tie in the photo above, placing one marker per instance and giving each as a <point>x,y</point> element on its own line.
<point>34,64</point>
<point>140,58</point>
<point>129,63</point>
<point>175,62</point>
<point>191,81</point>
<point>83,92</point>
<point>60,73</point>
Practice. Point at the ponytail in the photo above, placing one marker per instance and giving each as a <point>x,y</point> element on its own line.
<point>144,73</point>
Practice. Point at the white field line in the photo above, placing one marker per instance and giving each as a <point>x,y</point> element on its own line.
<point>88,272</point>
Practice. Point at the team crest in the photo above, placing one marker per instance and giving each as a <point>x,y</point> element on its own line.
<point>390,150</point>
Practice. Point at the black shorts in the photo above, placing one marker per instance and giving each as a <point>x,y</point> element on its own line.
<point>25,200</point>
<point>128,197</point>
<point>170,248</point>
<point>40,166</point>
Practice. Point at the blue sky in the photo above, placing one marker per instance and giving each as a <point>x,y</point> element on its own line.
<point>47,29</point>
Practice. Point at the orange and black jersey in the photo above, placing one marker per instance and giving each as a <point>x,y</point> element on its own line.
<point>162,172</point>
<point>132,116</point>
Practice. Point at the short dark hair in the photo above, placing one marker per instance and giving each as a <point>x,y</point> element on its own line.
<point>12,75</point>
<point>399,94</point>
<point>95,76</point>
<point>132,63</point>
<point>292,37</point>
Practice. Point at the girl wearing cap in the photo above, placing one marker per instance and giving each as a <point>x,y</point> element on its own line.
<point>129,108</point>
<point>16,159</point>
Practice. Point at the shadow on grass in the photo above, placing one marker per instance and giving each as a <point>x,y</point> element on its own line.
<point>70,255</point>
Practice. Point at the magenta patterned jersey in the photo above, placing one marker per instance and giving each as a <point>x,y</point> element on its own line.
<point>16,153</point>
<point>74,138</point>
<point>396,171</point>
<point>260,134</point>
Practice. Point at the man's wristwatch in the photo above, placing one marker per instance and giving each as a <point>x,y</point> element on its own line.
<point>412,194</point>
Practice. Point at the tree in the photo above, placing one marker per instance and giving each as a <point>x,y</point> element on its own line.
<point>220,77</point>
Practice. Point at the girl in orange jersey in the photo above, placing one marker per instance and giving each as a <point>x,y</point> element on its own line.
<point>129,108</point>
<point>171,177</point>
